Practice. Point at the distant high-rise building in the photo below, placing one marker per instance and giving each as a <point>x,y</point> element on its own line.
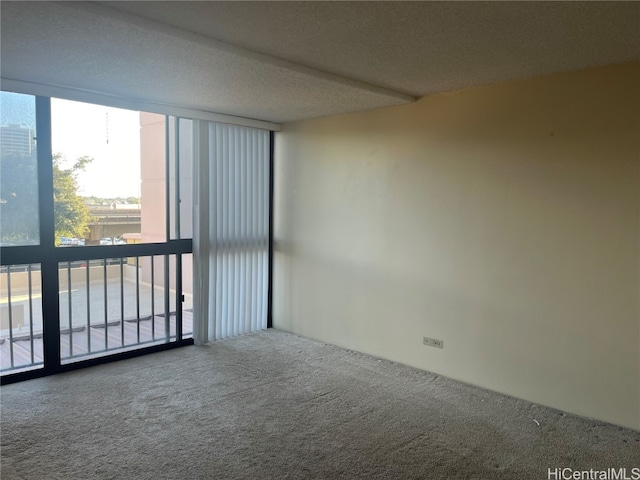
<point>16,140</point>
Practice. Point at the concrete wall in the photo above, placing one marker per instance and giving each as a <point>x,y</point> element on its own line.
<point>97,232</point>
<point>20,280</point>
<point>152,177</point>
<point>502,220</point>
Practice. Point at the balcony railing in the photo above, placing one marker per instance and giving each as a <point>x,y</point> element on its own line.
<point>20,317</point>
<point>106,305</point>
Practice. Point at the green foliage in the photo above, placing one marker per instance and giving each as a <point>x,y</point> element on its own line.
<point>71,212</point>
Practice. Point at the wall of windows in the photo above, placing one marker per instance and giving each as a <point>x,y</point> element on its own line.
<point>99,206</point>
<point>81,278</point>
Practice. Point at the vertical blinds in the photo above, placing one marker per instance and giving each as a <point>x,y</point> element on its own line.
<point>238,240</point>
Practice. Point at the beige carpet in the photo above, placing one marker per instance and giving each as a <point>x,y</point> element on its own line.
<point>277,406</point>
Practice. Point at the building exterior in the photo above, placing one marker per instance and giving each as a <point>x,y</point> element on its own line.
<point>16,140</point>
<point>153,181</point>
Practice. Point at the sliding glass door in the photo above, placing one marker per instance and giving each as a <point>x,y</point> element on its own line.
<point>98,207</point>
<point>95,233</point>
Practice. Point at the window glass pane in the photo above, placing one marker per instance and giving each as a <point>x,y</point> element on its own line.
<point>153,177</point>
<point>109,175</point>
<point>20,317</point>
<point>181,177</point>
<point>187,291</point>
<point>115,304</point>
<point>19,219</point>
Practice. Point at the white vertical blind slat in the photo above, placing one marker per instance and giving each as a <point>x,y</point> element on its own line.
<point>260,170</point>
<point>237,211</point>
<point>217,198</point>
<point>238,238</point>
<point>253,199</point>
<point>220,154</point>
<point>248,240</point>
<point>226,235</point>
<point>202,246</point>
<point>228,239</point>
<point>264,216</point>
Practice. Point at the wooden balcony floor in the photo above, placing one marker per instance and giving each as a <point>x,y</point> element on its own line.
<point>81,341</point>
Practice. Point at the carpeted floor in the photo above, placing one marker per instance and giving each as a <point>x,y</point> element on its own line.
<point>277,406</point>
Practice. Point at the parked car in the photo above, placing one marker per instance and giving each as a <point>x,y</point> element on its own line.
<point>70,242</point>
<point>112,241</point>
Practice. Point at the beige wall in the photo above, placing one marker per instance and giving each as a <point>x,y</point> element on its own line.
<point>502,220</point>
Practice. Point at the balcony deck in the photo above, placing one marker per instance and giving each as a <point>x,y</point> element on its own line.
<point>80,343</point>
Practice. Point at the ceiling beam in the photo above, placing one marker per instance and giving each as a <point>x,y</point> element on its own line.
<point>152,25</point>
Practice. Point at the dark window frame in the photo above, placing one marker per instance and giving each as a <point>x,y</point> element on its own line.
<point>49,257</point>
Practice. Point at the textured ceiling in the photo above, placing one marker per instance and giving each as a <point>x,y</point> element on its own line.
<point>419,47</point>
<point>283,61</point>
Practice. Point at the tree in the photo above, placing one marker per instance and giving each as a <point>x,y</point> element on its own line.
<point>71,213</point>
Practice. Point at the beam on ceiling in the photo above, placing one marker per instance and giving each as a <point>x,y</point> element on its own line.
<point>152,25</point>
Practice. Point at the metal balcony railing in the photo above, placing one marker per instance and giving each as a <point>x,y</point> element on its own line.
<point>20,315</point>
<point>106,305</point>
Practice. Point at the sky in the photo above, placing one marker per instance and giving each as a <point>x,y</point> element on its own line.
<point>110,135</point>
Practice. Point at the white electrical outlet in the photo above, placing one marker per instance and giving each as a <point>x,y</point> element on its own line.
<point>433,342</point>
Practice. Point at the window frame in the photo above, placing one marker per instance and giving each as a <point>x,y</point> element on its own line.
<point>49,257</point>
